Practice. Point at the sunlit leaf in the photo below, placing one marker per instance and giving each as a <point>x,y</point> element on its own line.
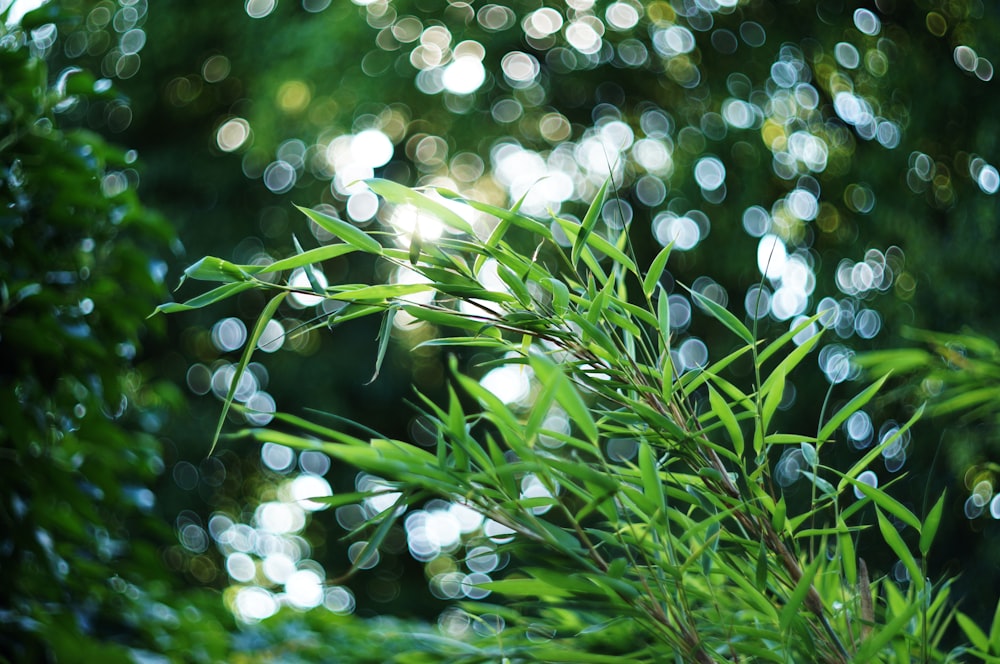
<point>346,231</point>
<point>312,256</point>
<point>400,195</point>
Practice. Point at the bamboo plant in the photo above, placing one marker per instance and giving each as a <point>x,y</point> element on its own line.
<point>686,551</point>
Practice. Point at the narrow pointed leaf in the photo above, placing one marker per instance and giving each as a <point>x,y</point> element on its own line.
<point>929,529</point>
<point>656,268</point>
<point>217,294</point>
<point>775,390</point>
<point>785,338</point>
<point>560,295</point>
<point>973,631</point>
<point>652,487</point>
<point>798,595</point>
<point>317,288</point>
<point>383,340</point>
<point>311,256</point>
<point>887,503</point>
<point>402,195</point>
<point>898,546</point>
<point>863,463</point>
<point>211,268</point>
<point>566,394</point>
<point>848,558</point>
<point>725,414</point>
<point>589,221</point>
<point>850,408</point>
<point>262,321</point>
<point>724,316</point>
<point>346,231</point>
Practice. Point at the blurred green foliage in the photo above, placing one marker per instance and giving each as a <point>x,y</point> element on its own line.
<point>80,547</point>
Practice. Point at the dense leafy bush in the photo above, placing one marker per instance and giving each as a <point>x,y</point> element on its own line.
<point>637,495</point>
<point>82,576</point>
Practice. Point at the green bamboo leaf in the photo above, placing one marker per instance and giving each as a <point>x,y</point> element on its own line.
<point>251,345</point>
<point>652,486</point>
<point>774,388</point>
<point>898,546</point>
<point>416,243</point>
<point>784,339</point>
<point>760,575</point>
<point>788,439</point>
<point>850,408</point>
<point>995,631</point>
<point>352,311</point>
<point>560,295</point>
<point>217,294</point>
<point>388,519</point>
<point>929,530</point>
<point>511,216</point>
<point>566,395</point>
<point>973,631</point>
<point>821,485</point>
<point>848,557</point>
<point>445,318</point>
<point>317,288</point>
<point>723,315</point>
<point>383,338</point>
<point>966,400</point>
<point>778,516</point>
<point>401,195</point>
<point>798,595</point>
<point>652,277</point>
<point>863,463</point>
<point>589,221</point>
<point>211,268</point>
<point>793,359</point>
<point>515,284</point>
<point>524,588</point>
<point>887,503</point>
<point>352,498</point>
<point>346,231</point>
<point>891,630</point>
<point>663,319</point>
<point>317,255</point>
<point>725,414</point>
<point>378,293</point>
<point>596,241</point>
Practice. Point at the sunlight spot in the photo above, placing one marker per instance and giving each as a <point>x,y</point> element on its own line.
<point>254,604</point>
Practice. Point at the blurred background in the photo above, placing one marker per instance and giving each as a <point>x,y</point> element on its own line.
<point>825,157</point>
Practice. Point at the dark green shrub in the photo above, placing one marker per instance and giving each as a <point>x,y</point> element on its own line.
<point>82,578</point>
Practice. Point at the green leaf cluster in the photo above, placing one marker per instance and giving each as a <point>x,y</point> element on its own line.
<point>688,541</point>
